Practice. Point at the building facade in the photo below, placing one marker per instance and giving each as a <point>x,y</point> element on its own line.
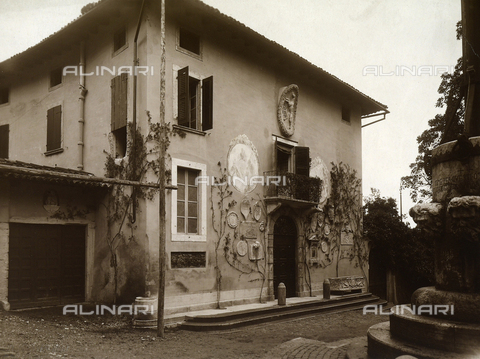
<point>263,158</point>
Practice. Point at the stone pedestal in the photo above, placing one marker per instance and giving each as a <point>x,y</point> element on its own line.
<point>448,323</point>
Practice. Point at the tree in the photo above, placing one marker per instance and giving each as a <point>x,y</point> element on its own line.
<point>406,252</point>
<point>443,128</point>
<point>88,7</point>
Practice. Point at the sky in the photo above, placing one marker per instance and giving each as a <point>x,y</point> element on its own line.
<point>393,51</point>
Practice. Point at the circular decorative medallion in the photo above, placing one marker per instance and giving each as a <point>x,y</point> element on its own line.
<point>287,110</point>
<point>232,220</point>
<point>257,211</point>
<point>262,226</point>
<point>324,247</point>
<point>242,248</point>
<point>242,164</point>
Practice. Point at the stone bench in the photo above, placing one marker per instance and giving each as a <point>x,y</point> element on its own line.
<point>347,284</point>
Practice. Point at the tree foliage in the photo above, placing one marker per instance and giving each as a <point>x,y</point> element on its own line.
<point>442,128</point>
<point>405,251</point>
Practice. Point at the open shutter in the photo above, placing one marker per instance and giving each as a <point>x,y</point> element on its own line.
<point>207,104</point>
<point>57,127</point>
<point>119,85</point>
<point>4,132</point>
<point>183,97</point>
<point>302,161</point>
<point>54,128</point>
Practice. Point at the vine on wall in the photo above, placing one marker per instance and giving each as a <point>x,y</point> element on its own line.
<point>122,205</point>
<point>341,214</point>
<point>222,202</point>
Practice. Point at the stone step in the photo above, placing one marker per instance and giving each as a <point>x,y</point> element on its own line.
<point>383,345</point>
<point>435,332</point>
<point>249,317</point>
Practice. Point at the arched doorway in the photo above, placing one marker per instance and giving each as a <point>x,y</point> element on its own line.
<point>284,253</point>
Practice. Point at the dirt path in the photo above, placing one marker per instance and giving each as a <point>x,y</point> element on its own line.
<point>46,333</point>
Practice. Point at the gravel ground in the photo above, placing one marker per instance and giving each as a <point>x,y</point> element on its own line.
<point>46,333</point>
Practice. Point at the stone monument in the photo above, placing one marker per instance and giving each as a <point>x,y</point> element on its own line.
<point>444,321</point>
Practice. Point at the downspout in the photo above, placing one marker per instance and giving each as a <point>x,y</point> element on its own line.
<point>134,107</point>
<point>81,116</point>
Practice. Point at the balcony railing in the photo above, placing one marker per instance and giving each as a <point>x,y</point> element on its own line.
<point>292,186</point>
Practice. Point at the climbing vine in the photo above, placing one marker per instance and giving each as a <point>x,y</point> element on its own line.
<point>341,217</point>
<point>122,205</point>
<point>222,202</point>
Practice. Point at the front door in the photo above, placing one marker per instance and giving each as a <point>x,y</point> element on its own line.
<point>284,249</point>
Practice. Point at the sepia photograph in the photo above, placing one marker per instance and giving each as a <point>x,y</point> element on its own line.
<point>257,179</point>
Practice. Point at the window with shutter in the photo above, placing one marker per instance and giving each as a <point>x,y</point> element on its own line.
<point>119,85</point>
<point>119,89</point>
<point>207,104</point>
<point>4,134</point>
<point>302,161</point>
<point>194,101</point>
<point>54,128</point>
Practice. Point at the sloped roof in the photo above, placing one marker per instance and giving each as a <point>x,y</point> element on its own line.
<point>58,175</point>
<point>79,29</point>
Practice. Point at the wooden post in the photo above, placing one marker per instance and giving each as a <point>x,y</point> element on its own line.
<point>161,218</point>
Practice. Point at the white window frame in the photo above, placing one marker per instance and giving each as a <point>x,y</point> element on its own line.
<point>202,205</point>
<point>185,51</point>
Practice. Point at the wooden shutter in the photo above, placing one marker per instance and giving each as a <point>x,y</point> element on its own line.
<point>183,97</point>
<point>119,85</point>
<point>54,128</point>
<point>207,104</point>
<point>4,132</point>
<point>302,161</point>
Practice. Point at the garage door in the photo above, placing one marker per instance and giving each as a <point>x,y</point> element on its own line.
<point>46,265</point>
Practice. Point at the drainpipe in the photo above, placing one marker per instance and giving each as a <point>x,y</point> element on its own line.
<point>81,119</point>
<point>134,107</point>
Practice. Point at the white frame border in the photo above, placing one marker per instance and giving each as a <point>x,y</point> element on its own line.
<point>202,235</point>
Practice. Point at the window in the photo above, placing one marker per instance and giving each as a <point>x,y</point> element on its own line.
<point>56,77</point>
<point>4,134</point>
<point>119,40</point>
<point>189,41</point>
<point>119,87</point>
<point>195,101</point>
<point>54,129</point>
<point>345,114</point>
<point>189,201</point>
<point>4,96</point>
<point>293,159</point>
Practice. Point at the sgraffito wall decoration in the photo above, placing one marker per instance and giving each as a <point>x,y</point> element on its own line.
<point>319,169</point>
<point>242,164</point>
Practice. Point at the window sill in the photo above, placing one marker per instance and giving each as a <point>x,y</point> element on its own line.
<point>120,50</point>
<point>188,129</point>
<point>180,237</point>
<point>53,152</point>
<point>199,56</point>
